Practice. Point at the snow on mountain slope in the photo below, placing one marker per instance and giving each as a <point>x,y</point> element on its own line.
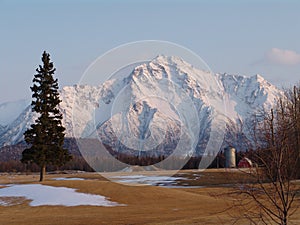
<point>247,96</point>
<point>254,92</point>
<point>9,111</point>
<point>147,129</point>
<point>156,96</point>
<point>13,133</point>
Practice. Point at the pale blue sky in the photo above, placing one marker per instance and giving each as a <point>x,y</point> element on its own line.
<point>239,37</point>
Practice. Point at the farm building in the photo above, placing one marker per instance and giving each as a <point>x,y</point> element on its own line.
<point>245,163</point>
<point>230,157</point>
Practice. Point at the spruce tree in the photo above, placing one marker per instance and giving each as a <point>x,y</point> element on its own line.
<point>46,136</point>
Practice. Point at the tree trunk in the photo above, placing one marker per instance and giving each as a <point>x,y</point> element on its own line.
<point>284,222</point>
<point>42,172</point>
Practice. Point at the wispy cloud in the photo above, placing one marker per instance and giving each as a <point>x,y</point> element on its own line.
<point>282,57</point>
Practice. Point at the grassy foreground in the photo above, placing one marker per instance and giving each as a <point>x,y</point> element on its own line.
<point>144,204</point>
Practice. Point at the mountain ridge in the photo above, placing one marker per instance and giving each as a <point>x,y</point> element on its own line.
<point>163,75</point>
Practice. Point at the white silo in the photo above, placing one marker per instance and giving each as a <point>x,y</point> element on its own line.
<point>230,157</point>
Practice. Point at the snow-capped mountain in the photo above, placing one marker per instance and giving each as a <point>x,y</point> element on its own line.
<point>154,107</point>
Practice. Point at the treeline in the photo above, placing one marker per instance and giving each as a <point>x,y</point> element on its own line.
<point>77,163</point>
<point>10,157</point>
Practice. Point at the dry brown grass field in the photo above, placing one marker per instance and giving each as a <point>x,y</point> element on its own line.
<point>144,204</point>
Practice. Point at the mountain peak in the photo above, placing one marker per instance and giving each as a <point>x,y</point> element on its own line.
<point>162,77</point>
<point>258,78</point>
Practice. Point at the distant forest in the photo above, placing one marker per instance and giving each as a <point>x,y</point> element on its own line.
<point>11,155</point>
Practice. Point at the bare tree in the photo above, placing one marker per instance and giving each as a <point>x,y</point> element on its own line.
<point>271,198</point>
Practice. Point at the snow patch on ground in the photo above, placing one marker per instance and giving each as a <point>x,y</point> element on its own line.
<point>48,195</point>
<point>68,178</point>
<point>147,180</point>
<point>178,186</point>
